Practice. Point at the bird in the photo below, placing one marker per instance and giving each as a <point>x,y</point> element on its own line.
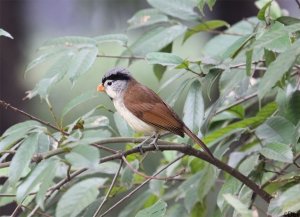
<point>143,109</point>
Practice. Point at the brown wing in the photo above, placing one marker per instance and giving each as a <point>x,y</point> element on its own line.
<point>148,106</point>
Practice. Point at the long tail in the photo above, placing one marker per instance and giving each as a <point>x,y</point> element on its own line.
<point>198,141</point>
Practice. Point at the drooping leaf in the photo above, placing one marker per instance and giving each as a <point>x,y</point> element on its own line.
<point>135,204</point>
<point>155,39</point>
<point>268,9</point>
<point>156,210</point>
<point>189,190</point>
<point>193,111</point>
<point>262,12</point>
<point>118,38</point>
<point>22,158</point>
<point>237,46</point>
<point>146,17</point>
<point>84,156</point>
<point>203,27</point>
<point>165,59</point>
<point>77,101</point>
<point>183,9</point>
<point>270,56</point>
<point>78,197</point>
<point>36,177</point>
<point>277,129</point>
<point>159,70</point>
<point>21,127</point>
<point>17,132</point>
<point>278,68</point>
<point>293,106</point>
<point>199,210</point>
<point>219,44</point>
<point>261,116</point>
<point>241,208</point>
<point>54,74</point>
<point>81,62</point>
<point>278,152</point>
<point>286,202</point>
<point>5,33</point>
<point>69,42</point>
<point>275,39</point>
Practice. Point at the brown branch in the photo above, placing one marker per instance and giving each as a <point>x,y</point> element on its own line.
<point>109,190</point>
<point>7,105</point>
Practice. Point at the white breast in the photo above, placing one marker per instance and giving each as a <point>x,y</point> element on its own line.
<point>134,122</point>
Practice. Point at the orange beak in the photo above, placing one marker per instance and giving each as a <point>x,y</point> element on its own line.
<point>100,88</point>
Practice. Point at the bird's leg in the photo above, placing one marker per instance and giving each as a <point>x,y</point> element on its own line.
<point>154,142</point>
<point>139,146</point>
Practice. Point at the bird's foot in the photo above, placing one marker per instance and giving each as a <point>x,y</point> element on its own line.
<point>154,142</point>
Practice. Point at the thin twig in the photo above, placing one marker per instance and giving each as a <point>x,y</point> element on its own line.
<point>15,212</point>
<point>109,190</point>
<point>122,57</point>
<point>33,211</point>
<point>150,177</point>
<point>141,185</point>
<point>7,105</point>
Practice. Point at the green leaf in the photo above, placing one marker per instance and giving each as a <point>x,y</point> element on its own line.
<point>77,101</point>
<point>293,106</point>
<point>122,125</point>
<point>205,26</point>
<point>207,181</point>
<point>262,11</point>
<point>286,202</point>
<point>156,210</point>
<point>81,62</point>
<point>92,136</point>
<point>210,3</point>
<point>237,46</point>
<point>219,44</point>
<point>127,174</point>
<point>193,111</point>
<point>4,33</point>
<point>78,197</point>
<point>155,39</point>
<point>177,210</point>
<point>260,117</point>
<point>183,9</point>
<point>118,38</point>
<point>165,59</point>
<point>54,74</point>
<point>146,17</point>
<point>268,9</point>
<point>270,56</point>
<point>84,156</point>
<point>17,132</point>
<point>275,39</point>
<point>278,68</point>
<point>241,208</point>
<point>22,128</point>
<point>69,42</point>
<point>286,20</point>
<point>36,177</point>
<point>277,129</point>
<point>22,158</point>
<point>189,190</point>
<point>44,56</point>
<point>278,152</point>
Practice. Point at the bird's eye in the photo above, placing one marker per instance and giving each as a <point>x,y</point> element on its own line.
<point>109,83</point>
